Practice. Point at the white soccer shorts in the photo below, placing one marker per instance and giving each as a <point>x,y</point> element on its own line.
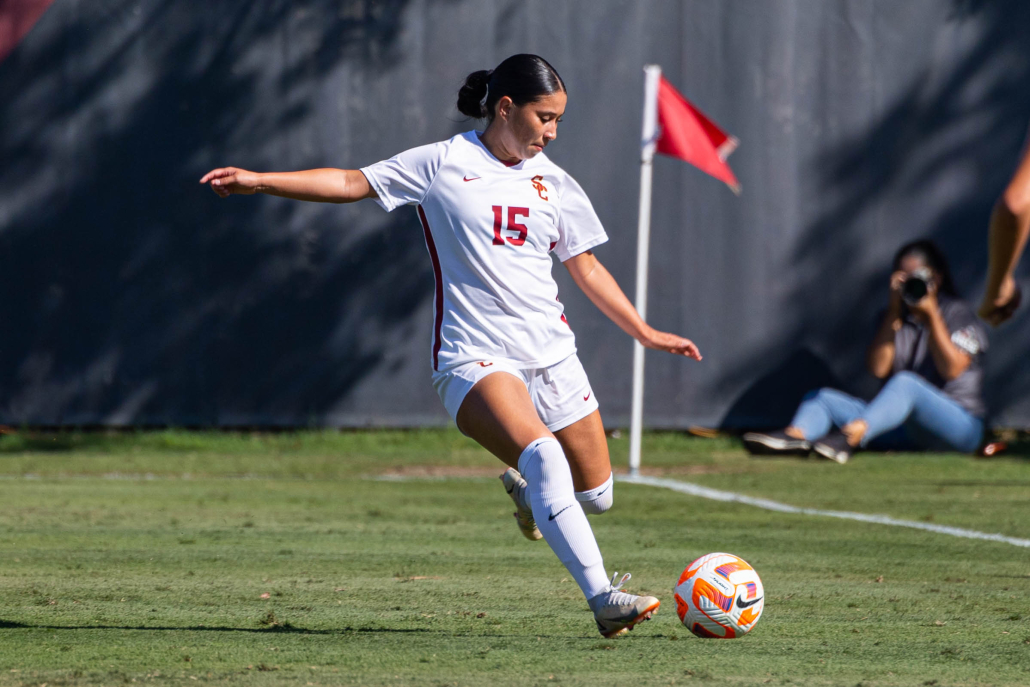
<point>560,393</point>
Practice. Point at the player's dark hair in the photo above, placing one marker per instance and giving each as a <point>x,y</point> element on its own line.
<point>523,78</point>
<point>927,251</point>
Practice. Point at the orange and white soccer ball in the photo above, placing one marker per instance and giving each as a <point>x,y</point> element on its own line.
<point>719,596</point>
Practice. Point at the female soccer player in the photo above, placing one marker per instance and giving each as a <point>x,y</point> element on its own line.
<point>492,208</point>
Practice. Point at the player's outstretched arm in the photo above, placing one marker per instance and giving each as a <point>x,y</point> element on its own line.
<point>601,288</point>
<point>319,185</point>
<point>1010,226</point>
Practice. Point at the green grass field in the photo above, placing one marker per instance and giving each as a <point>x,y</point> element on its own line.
<point>177,557</point>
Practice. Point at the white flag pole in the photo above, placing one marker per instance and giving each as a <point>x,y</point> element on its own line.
<point>652,74</point>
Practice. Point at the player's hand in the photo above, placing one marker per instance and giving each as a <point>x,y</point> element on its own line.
<point>994,311</point>
<point>670,343</point>
<point>226,181</point>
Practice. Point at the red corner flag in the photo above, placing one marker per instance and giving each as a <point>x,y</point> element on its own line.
<point>670,126</point>
<point>685,132</point>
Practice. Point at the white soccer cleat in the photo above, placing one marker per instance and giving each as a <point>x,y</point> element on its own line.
<point>617,612</point>
<point>514,484</point>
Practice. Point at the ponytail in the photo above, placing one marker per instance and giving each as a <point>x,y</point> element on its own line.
<point>523,78</point>
<point>473,95</point>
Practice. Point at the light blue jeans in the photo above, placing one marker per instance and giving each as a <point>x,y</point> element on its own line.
<point>909,413</point>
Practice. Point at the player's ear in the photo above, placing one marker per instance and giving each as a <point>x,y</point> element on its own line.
<point>504,107</point>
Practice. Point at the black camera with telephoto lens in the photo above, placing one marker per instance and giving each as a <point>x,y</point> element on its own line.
<point>916,286</point>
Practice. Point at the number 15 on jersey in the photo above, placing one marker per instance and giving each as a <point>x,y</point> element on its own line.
<point>513,225</point>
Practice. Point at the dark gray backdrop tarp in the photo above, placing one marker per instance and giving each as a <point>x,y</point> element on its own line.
<point>131,295</point>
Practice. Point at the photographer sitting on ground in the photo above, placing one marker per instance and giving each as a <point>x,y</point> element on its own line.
<point>930,346</point>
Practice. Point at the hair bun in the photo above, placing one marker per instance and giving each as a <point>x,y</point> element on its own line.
<point>472,94</point>
<point>522,78</point>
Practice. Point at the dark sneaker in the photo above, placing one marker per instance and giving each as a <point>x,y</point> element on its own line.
<point>834,446</point>
<point>775,443</point>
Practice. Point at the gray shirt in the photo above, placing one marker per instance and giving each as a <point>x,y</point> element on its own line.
<point>912,353</point>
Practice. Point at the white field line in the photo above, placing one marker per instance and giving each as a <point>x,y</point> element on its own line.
<point>675,485</point>
<point>731,497</point>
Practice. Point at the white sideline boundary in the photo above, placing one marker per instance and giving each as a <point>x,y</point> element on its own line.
<point>730,497</point>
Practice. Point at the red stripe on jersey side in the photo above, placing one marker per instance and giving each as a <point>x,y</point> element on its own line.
<point>563,315</point>
<point>438,276</point>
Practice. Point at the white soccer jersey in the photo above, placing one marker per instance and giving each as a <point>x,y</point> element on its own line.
<point>489,228</point>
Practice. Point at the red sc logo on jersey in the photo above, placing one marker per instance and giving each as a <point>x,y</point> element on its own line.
<point>537,182</point>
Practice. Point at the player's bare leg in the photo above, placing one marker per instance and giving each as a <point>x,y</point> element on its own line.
<point>499,414</point>
<point>586,447</point>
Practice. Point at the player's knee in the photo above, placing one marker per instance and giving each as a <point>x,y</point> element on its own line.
<point>545,469</point>
<point>599,499</point>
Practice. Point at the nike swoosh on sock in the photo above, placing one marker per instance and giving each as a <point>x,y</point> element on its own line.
<point>552,516</point>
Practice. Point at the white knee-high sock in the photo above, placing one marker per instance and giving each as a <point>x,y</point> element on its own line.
<point>559,516</point>
<point>593,501</point>
<point>599,499</point>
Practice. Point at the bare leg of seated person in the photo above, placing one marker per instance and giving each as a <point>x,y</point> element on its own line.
<point>855,431</point>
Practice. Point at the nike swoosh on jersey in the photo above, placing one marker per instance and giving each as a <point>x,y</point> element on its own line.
<point>587,397</point>
<point>466,178</point>
<point>747,604</point>
<point>552,516</point>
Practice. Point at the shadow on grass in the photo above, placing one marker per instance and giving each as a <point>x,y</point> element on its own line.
<point>289,629</point>
<point>279,629</point>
